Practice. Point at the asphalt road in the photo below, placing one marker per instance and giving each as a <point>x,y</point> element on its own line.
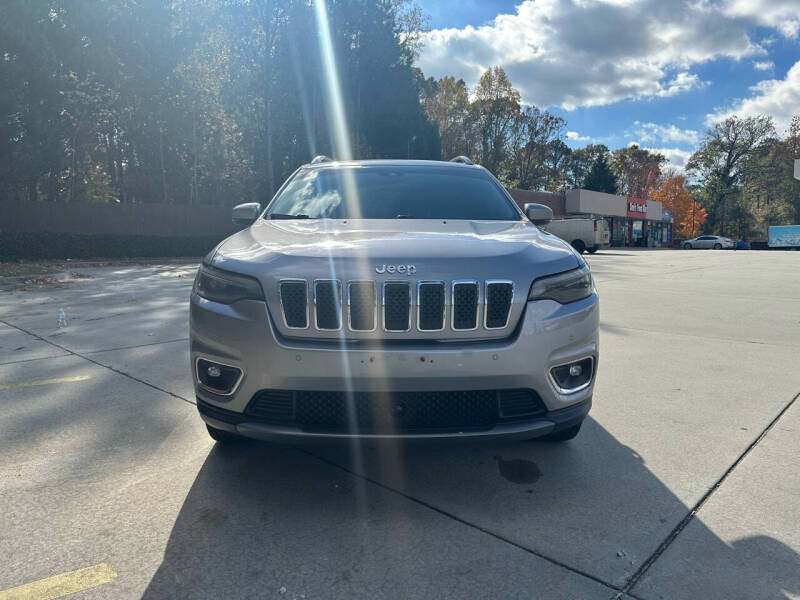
<point>683,483</point>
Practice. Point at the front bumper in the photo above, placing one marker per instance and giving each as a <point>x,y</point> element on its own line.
<point>552,422</point>
<point>243,335</point>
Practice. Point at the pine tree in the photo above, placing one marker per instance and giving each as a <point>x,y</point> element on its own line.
<point>600,177</point>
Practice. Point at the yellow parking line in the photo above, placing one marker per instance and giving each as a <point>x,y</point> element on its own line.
<point>12,386</point>
<point>61,585</point>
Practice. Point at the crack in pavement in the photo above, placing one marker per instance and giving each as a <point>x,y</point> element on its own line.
<point>461,520</point>
<point>99,364</point>
<point>138,346</point>
<point>673,535</point>
<point>70,353</point>
<point>698,336</point>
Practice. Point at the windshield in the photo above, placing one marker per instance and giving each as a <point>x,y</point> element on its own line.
<point>393,192</point>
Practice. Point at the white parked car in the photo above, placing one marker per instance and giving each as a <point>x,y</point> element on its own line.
<point>715,242</point>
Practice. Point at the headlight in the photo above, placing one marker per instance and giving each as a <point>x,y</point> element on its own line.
<point>565,287</point>
<point>226,287</point>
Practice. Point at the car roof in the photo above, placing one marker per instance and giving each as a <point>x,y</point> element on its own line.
<point>390,162</point>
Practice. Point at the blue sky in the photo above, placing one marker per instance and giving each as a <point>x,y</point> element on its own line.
<point>654,72</point>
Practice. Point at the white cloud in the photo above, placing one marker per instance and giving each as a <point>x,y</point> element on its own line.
<point>682,82</point>
<point>572,53</point>
<point>778,98</point>
<point>576,137</point>
<point>783,15</point>
<point>763,65</point>
<point>658,134</point>
<point>676,157</point>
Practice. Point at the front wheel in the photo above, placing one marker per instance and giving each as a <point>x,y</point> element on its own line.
<point>717,246</point>
<point>579,246</point>
<point>221,436</point>
<point>564,435</point>
<point>687,246</point>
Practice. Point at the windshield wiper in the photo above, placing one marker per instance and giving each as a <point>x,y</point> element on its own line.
<point>285,216</point>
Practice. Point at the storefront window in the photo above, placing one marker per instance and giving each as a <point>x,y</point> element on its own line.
<point>637,233</point>
<point>619,231</point>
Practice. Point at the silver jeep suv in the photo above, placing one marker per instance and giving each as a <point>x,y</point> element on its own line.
<point>393,299</point>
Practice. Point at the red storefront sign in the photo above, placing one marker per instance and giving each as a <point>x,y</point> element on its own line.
<point>637,209</point>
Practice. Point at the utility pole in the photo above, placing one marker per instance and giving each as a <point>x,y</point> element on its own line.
<point>797,169</point>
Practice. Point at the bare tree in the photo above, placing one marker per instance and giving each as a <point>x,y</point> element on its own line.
<point>449,108</point>
<point>495,109</point>
<point>638,170</point>
<point>530,141</point>
<point>722,163</point>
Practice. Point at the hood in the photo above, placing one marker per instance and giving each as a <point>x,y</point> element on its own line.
<point>450,248</point>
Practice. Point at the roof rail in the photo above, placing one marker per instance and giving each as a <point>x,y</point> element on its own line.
<point>462,159</point>
<point>320,158</point>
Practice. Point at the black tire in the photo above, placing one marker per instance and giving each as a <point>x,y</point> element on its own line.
<point>564,435</point>
<point>717,246</point>
<point>687,246</point>
<point>592,250</point>
<point>221,436</point>
<point>579,246</point>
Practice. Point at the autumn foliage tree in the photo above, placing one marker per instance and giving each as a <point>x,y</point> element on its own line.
<point>638,170</point>
<point>689,214</point>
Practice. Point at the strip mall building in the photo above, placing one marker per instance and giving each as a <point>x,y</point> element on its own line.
<point>632,222</point>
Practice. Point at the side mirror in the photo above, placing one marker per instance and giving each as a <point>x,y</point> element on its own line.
<point>245,214</point>
<point>539,214</point>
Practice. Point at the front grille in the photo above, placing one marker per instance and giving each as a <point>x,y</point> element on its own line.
<point>465,305</point>
<point>361,304</point>
<point>398,412</point>
<point>328,304</point>
<point>430,304</point>
<point>294,300</point>
<point>498,303</point>
<point>396,306</point>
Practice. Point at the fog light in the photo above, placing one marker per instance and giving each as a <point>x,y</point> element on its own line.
<point>573,377</point>
<point>218,378</point>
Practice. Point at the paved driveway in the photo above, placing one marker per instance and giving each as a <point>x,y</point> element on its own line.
<point>683,483</point>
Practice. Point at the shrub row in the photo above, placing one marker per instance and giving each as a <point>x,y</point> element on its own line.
<point>59,246</point>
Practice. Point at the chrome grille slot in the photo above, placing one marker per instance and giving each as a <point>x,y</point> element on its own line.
<point>362,305</point>
<point>396,306</point>
<point>294,303</point>
<point>328,304</point>
<point>499,295</point>
<point>430,305</point>
<point>464,308</point>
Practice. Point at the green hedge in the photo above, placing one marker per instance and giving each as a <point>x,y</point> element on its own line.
<point>45,245</point>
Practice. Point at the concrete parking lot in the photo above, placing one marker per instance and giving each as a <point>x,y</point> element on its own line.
<point>683,483</point>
